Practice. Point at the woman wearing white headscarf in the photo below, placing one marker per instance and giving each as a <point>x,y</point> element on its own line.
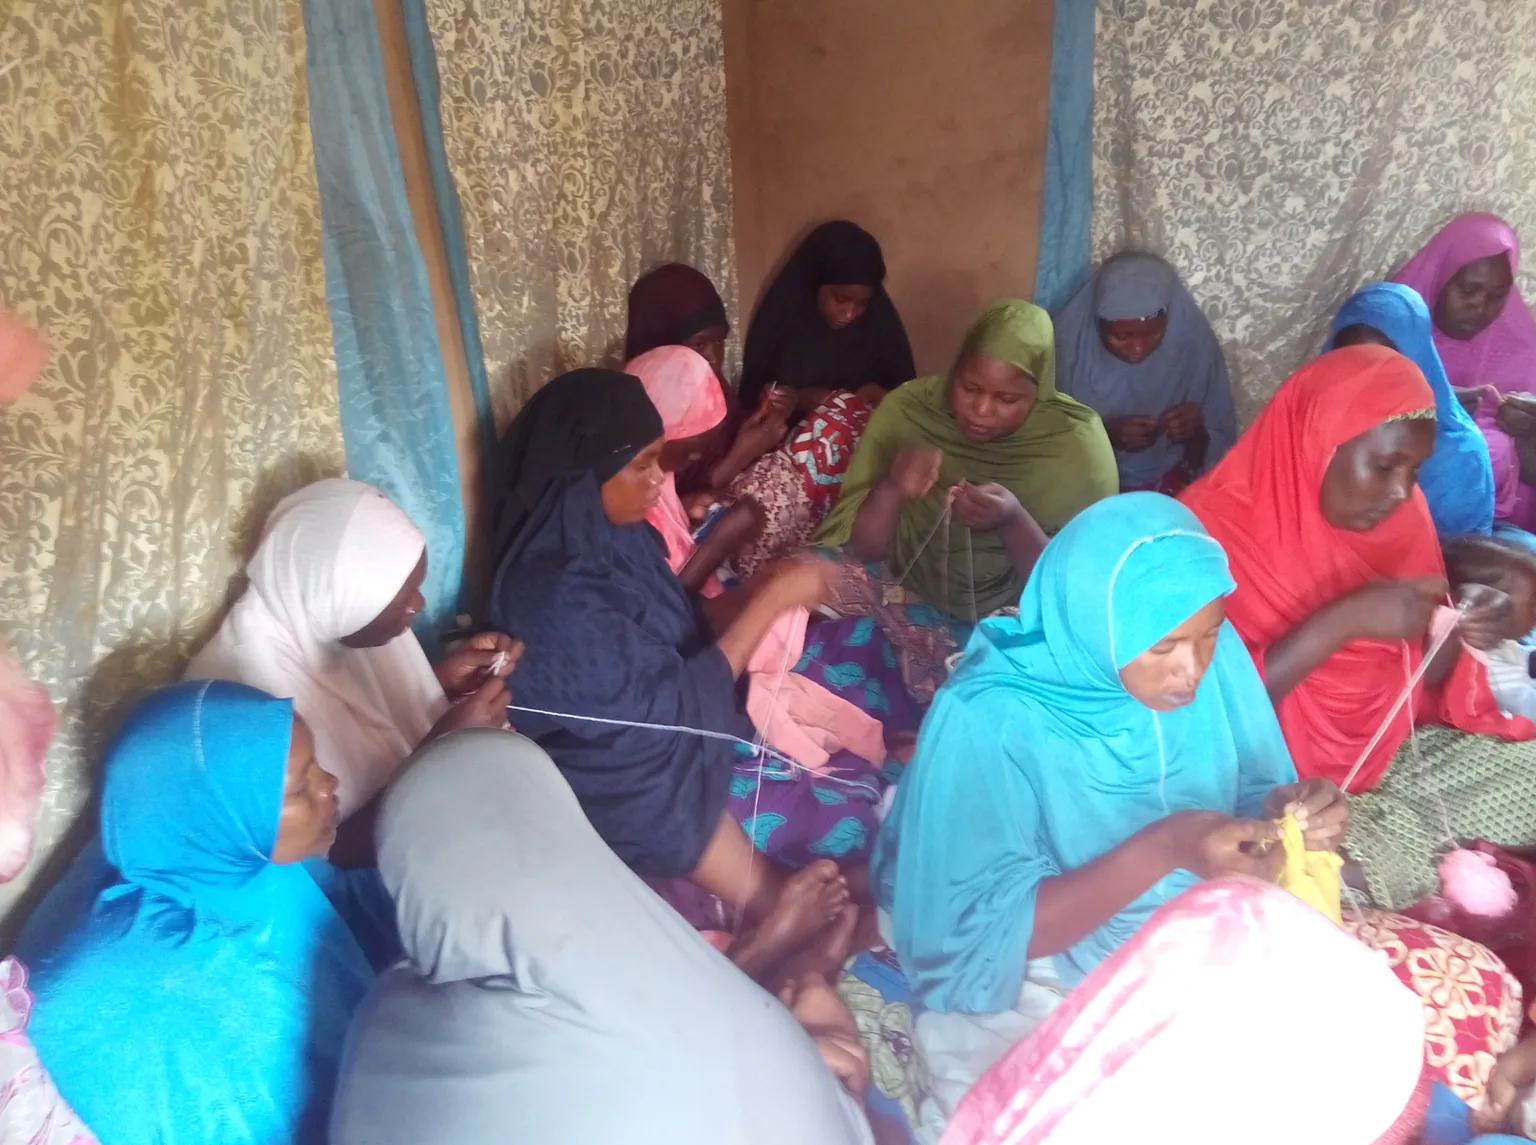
<point>325,621</point>
<point>549,996</point>
<point>1134,346</point>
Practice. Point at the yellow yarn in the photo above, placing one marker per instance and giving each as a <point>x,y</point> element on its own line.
<point>1312,876</point>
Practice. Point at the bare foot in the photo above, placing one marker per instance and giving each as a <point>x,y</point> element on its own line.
<point>825,955</point>
<point>811,900</point>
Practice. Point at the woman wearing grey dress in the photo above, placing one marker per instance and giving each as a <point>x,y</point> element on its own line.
<point>549,996</point>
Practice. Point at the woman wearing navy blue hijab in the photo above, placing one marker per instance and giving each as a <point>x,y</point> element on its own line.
<point>193,983</point>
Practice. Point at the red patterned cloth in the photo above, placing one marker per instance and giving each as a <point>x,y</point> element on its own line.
<point>797,484</point>
<point>822,445</point>
<point>1471,1001</point>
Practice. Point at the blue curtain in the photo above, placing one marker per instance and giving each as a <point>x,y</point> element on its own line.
<point>1066,211</point>
<point>424,67</point>
<point>396,419</point>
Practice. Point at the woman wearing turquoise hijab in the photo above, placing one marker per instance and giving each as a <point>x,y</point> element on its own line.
<point>1085,763</point>
<point>1457,478</point>
<point>193,983</point>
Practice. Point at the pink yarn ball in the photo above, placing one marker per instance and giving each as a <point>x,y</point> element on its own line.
<point>1473,881</point>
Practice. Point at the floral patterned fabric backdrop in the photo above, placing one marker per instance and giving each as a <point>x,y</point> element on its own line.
<point>1280,153</point>
<point>587,140</point>
<point>160,222</point>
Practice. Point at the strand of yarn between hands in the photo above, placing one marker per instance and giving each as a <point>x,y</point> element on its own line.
<point>1403,698</point>
<point>1469,879</point>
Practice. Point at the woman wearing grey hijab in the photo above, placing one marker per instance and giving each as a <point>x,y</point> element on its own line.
<point>548,996</point>
<point>1134,346</point>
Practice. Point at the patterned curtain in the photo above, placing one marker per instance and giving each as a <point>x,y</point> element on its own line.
<point>587,139</point>
<point>160,222</point>
<point>1282,152</point>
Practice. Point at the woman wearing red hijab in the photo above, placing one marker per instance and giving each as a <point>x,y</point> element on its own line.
<point>1339,574</point>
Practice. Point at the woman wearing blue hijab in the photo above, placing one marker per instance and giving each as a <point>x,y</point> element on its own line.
<point>193,983</point>
<point>1457,478</point>
<point>1085,763</point>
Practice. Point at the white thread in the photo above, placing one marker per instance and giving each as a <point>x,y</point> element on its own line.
<point>757,794</point>
<point>705,732</point>
<point>1421,769</point>
<point>948,520</point>
<point>949,502</point>
<point>1405,697</point>
<point>970,572</point>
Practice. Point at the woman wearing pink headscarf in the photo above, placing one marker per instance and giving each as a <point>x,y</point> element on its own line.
<point>1486,338</point>
<point>682,386</point>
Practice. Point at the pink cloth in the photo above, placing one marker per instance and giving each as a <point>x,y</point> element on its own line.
<point>31,1110</point>
<point>1502,357</point>
<point>796,716</point>
<point>23,354</point>
<point>683,388</point>
<point>1195,1031</point>
<point>27,723</point>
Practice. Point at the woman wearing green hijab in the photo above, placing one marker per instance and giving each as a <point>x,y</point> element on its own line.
<point>1017,459</point>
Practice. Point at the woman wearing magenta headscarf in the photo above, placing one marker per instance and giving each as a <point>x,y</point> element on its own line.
<point>1486,338</point>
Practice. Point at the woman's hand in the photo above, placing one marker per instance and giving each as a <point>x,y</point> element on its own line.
<point>873,394</point>
<point>485,707</point>
<point>1320,810</point>
<point>1517,415</point>
<point>1183,422</point>
<point>1487,616</point>
<point>737,526</point>
<point>478,659</point>
<point>779,399</point>
<point>1514,1072</point>
<point>764,430</point>
<point>1132,433</point>
<point>1469,399</point>
<point>986,508</point>
<point>698,504</point>
<point>1394,609</point>
<point>802,582</point>
<point>915,470</point>
<point>1210,844</point>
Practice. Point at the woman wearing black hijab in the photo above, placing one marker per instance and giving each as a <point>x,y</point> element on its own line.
<point>618,659</point>
<point>827,333</point>
<point>826,324</point>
